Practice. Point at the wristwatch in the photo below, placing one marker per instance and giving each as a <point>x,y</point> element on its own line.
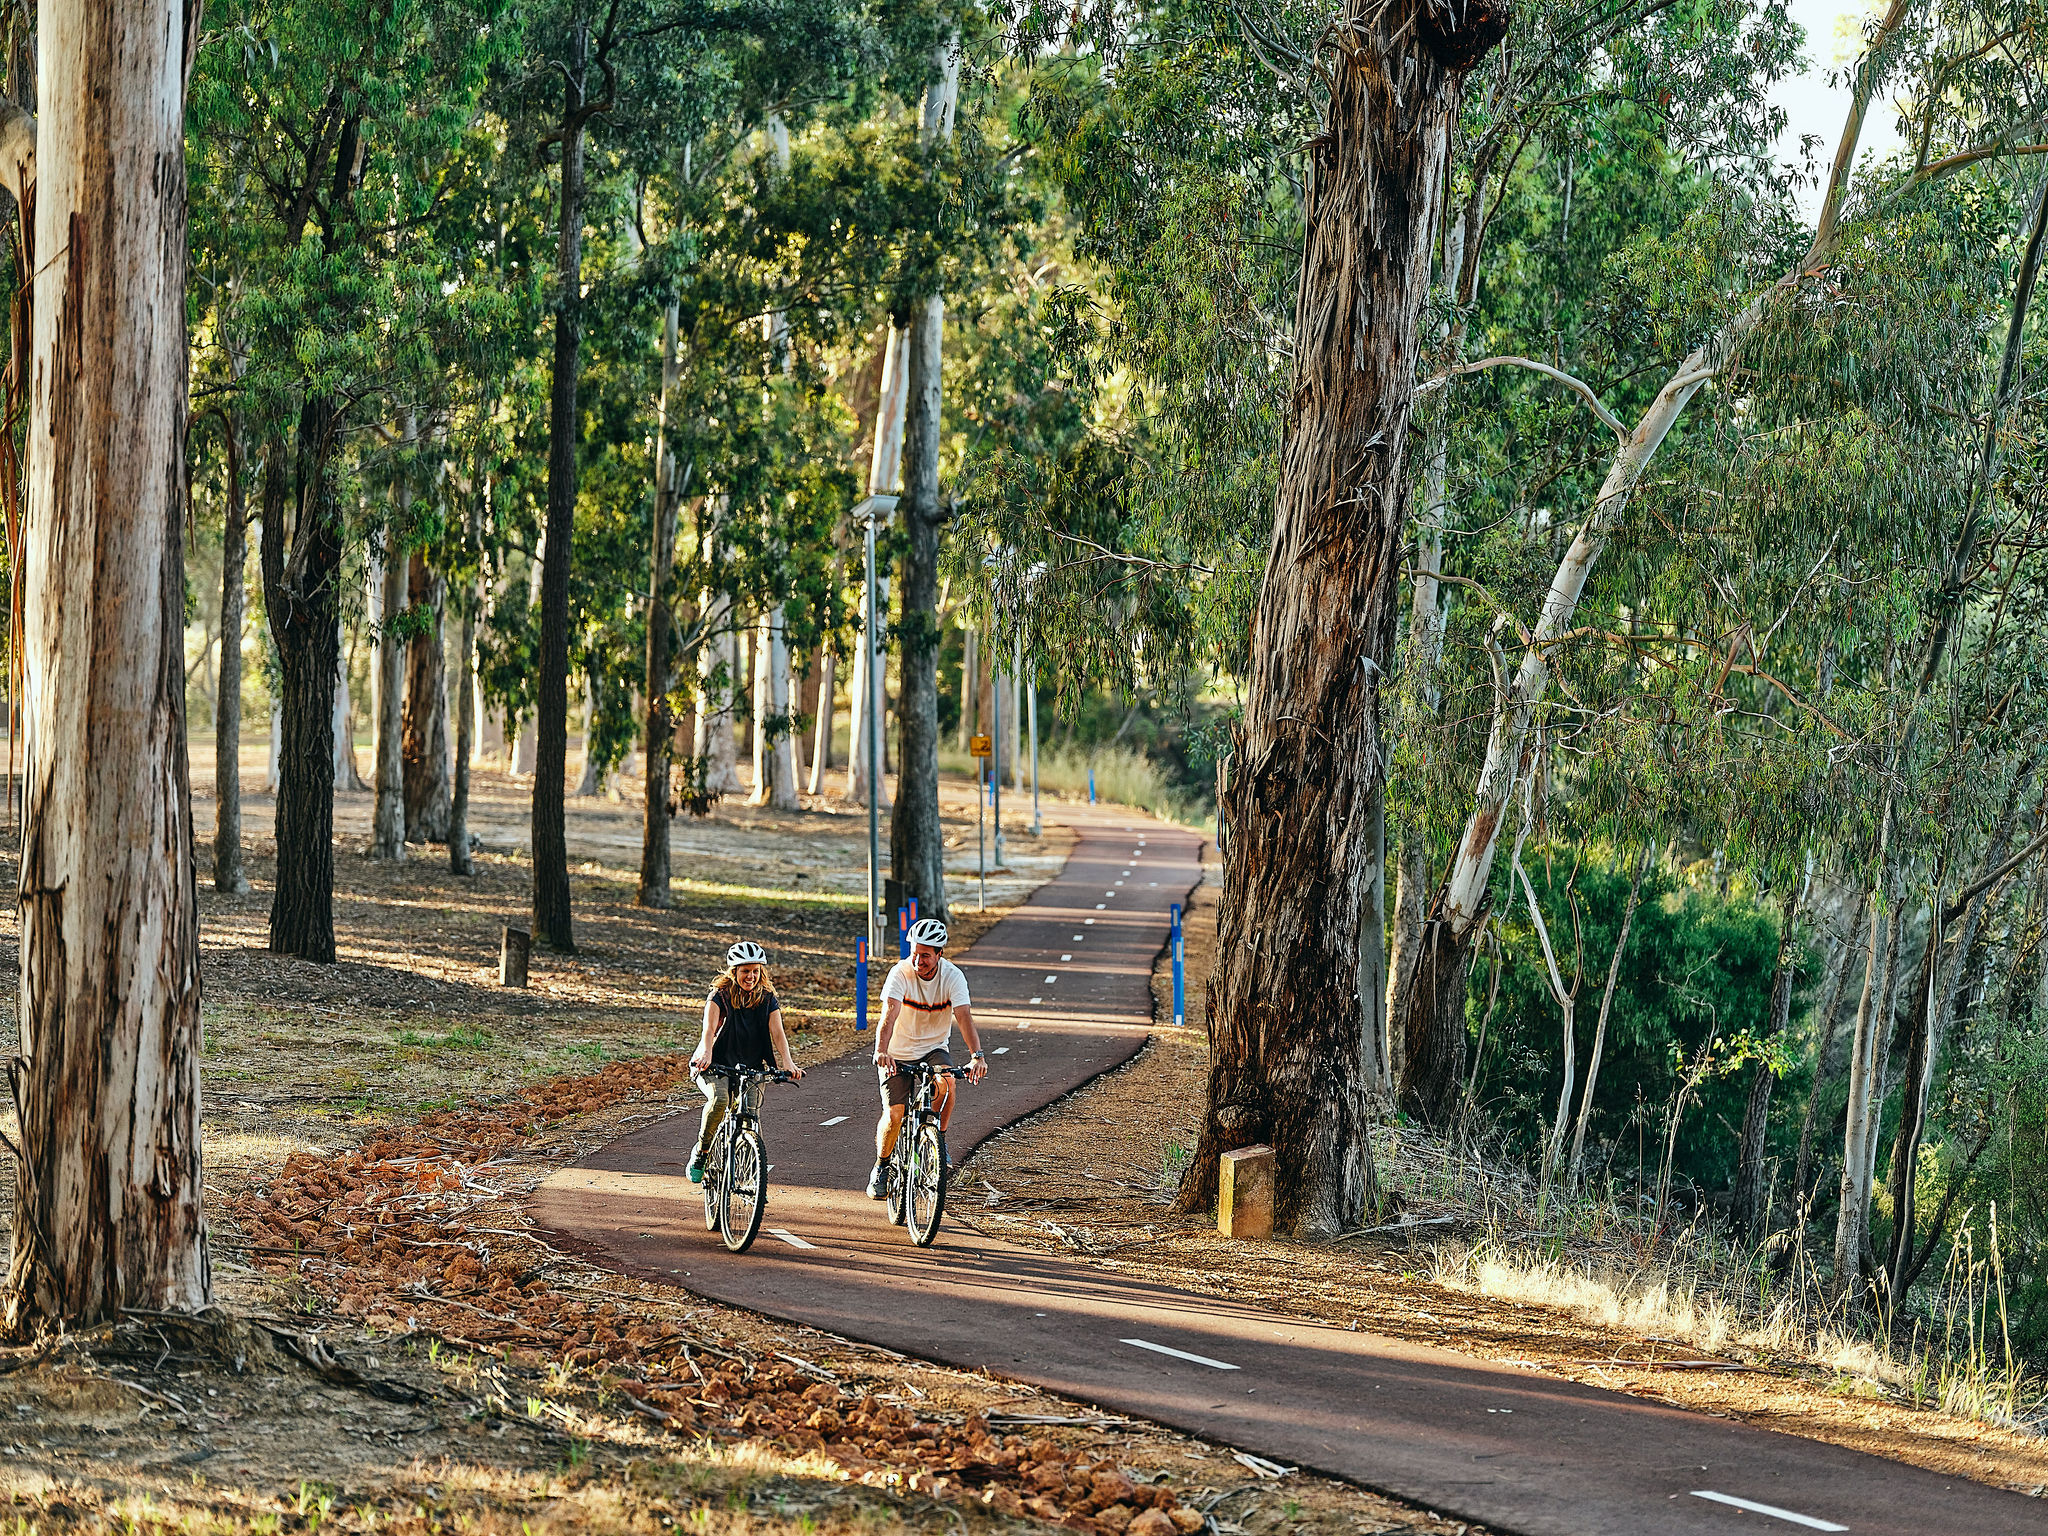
<point>977,1056</point>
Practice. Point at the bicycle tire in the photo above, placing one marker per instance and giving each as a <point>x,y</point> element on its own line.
<point>714,1178</point>
<point>746,1196</point>
<point>927,1194</point>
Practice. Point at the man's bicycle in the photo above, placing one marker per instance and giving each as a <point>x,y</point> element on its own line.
<point>916,1174</point>
<point>736,1167</point>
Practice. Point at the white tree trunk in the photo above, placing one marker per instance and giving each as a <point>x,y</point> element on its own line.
<point>821,749</point>
<point>774,743</point>
<point>885,470</point>
<point>107,1199</point>
<point>276,741</point>
<point>715,742</point>
<point>346,775</point>
<point>387,821</point>
<point>591,783</point>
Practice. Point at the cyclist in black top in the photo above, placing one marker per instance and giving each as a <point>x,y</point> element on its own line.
<point>742,1028</point>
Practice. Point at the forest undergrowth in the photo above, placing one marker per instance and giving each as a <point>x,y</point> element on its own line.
<point>1467,1257</point>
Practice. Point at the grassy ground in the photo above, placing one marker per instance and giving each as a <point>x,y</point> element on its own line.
<point>396,1350</point>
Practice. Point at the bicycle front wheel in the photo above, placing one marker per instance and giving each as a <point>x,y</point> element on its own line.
<point>746,1196</point>
<point>927,1183</point>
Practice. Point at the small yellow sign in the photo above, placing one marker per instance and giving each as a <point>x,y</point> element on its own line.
<point>978,745</point>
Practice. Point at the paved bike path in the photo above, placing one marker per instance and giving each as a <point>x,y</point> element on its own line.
<point>1062,990</point>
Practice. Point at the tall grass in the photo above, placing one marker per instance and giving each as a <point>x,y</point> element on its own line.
<point>1123,776</point>
<point>1603,1255</point>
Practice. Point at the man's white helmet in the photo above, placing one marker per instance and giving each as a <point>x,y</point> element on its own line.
<point>928,930</point>
<point>746,952</point>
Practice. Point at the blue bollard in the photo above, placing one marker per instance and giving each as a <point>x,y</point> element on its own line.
<point>902,934</point>
<point>860,984</point>
<point>1091,786</point>
<point>1180,975</point>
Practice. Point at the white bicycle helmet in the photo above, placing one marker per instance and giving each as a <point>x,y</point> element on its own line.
<point>746,952</point>
<point>928,930</point>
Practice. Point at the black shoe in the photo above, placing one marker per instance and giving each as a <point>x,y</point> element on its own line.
<point>877,1182</point>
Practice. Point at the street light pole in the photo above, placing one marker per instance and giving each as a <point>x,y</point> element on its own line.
<point>865,514</point>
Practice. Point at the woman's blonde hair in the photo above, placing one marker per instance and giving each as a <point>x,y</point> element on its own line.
<point>729,990</point>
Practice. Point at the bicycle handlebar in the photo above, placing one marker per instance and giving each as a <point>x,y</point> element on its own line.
<point>766,1074</point>
<point>935,1069</point>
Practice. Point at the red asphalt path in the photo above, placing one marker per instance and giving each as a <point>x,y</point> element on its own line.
<point>1062,991</point>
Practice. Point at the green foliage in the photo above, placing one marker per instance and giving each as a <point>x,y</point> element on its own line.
<point>1696,976</point>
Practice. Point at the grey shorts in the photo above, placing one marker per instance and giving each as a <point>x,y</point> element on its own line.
<point>896,1082</point>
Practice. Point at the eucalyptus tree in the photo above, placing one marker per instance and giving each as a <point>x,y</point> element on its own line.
<point>1932,46</point>
<point>108,1189</point>
<point>339,125</point>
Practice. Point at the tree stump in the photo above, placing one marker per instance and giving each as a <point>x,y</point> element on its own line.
<point>1244,1193</point>
<point>512,957</point>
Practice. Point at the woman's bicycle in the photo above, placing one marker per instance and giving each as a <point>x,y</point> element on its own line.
<point>916,1175</point>
<point>736,1167</point>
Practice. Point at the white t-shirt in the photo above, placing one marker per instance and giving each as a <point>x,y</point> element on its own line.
<point>926,1022</point>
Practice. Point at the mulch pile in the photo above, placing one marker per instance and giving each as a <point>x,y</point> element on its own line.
<point>384,1234</point>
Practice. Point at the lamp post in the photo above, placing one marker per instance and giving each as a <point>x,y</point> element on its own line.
<point>865,514</point>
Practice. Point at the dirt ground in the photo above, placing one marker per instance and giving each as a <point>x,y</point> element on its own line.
<point>394,1350</point>
<point>1112,1206</point>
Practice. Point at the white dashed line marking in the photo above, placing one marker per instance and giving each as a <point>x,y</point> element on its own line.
<point>835,1120</point>
<point>1050,980</point>
<point>1181,1354</point>
<point>790,1238</point>
<point>1098,907</point>
<point>1002,1050</point>
<point>1066,957</point>
<point>1768,1509</point>
<point>1038,999</point>
<point>1090,922</point>
<point>1079,937</point>
<point>1109,893</point>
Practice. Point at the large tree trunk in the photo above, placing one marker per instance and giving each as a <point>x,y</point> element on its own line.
<point>300,593</point>
<point>107,1195</point>
<point>1290,1064</point>
<point>1752,1191</point>
<point>387,818</point>
<point>551,918</point>
<point>661,725</point>
<point>425,739</point>
<point>917,840</point>
<point>227,719</point>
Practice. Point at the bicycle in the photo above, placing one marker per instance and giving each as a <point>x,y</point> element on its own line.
<point>736,1166</point>
<point>917,1171</point>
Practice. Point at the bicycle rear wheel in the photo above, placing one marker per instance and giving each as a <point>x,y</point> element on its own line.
<point>927,1192</point>
<point>746,1198</point>
<point>714,1176</point>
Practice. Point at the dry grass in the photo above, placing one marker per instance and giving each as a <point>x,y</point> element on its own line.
<point>1605,1259</point>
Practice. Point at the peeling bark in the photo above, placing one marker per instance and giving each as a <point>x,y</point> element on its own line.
<point>1305,802</point>
<point>107,1209</point>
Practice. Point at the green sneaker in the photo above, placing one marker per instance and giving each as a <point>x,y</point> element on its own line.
<point>696,1167</point>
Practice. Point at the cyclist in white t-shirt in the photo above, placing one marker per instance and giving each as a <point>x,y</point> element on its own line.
<point>923,998</point>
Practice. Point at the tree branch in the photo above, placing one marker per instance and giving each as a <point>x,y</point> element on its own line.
<point>1578,386</point>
